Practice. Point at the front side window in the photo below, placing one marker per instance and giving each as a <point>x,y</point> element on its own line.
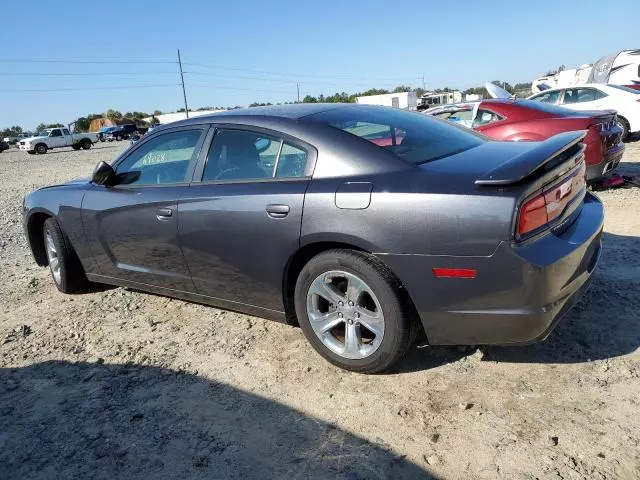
<point>548,97</point>
<point>56,133</point>
<point>413,137</point>
<point>162,160</point>
<point>244,155</point>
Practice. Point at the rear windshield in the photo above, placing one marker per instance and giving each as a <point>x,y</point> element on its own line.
<point>626,89</point>
<point>545,107</point>
<point>414,137</point>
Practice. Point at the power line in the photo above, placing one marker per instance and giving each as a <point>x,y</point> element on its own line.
<point>88,62</point>
<point>79,74</point>
<point>240,77</point>
<point>219,87</point>
<point>296,75</point>
<point>34,90</point>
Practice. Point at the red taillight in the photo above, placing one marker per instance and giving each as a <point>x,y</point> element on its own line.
<point>533,215</point>
<point>549,205</point>
<point>454,272</point>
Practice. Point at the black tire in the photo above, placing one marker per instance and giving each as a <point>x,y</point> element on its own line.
<point>118,138</point>
<point>76,146</point>
<point>31,152</point>
<point>86,144</point>
<point>400,325</point>
<point>102,139</point>
<point>41,148</point>
<point>72,276</point>
<point>625,128</point>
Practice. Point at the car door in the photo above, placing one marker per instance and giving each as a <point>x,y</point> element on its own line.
<point>56,139</point>
<point>132,226</point>
<point>240,223</point>
<point>66,137</point>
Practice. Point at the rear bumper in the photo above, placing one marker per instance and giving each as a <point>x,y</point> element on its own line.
<point>519,293</point>
<point>609,163</point>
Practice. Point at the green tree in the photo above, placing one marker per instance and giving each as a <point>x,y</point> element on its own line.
<point>402,88</point>
<point>44,126</point>
<point>81,124</point>
<point>156,113</point>
<point>11,131</point>
<point>114,115</point>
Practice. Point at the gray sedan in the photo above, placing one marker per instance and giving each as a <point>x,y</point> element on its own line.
<point>363,225</point>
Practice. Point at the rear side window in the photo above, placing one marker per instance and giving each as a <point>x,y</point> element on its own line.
<point>414,137</point>
<point>580,95</point>
<point>237,155</point>
<point>485,117</point>
<point>65,131</point>
<point>292,162</point>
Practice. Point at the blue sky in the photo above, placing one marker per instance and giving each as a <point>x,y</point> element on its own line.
<point>243,51</point>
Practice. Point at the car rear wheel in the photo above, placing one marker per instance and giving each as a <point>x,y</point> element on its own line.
<point>625,127</point>
<point>41,149</point>
<point>352,311</point>
<point>86,144</point>
<point>76,146</point>
<point>66,269</point>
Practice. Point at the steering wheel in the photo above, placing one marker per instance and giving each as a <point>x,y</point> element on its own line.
<point>227,170</point>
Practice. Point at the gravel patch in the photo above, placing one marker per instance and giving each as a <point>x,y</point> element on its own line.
<point>116,383</point>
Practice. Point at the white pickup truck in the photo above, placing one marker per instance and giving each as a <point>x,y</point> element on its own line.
<point>56,138</point>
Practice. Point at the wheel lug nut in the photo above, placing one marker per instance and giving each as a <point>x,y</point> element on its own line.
<point>357,315</point>
<point>350,322</point>
<point>351,304</point>
<point>341,303</point>
<point>340,314</point>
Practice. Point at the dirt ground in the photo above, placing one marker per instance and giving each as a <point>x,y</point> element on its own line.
<point>120,384</point>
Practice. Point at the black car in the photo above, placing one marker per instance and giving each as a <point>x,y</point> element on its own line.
<point>122,132</point>
<point>3,146</point>
<point>362,224</point>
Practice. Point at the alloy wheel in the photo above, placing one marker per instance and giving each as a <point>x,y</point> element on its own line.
<point>345,314</point>
<point>52,255</point>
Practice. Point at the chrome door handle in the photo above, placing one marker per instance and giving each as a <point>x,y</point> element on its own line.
<point>276,210</point>
<point>164,213</point>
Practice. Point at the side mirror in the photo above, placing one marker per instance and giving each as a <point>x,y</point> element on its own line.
<point>103,174</point>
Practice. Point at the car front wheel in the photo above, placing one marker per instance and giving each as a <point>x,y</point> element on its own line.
<point>352,311</point>
<point>66,269</point>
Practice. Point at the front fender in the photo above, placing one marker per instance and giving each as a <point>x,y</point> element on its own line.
<point>64,203</point>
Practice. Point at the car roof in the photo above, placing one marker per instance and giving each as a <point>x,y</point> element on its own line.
<point>290,112</point>
<point>583,85</point>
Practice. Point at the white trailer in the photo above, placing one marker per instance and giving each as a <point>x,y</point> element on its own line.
<point>404,100</point>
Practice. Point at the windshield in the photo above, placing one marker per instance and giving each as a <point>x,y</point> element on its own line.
<point>44,133</point>
<point>625,89</point>
<point>413,137</point>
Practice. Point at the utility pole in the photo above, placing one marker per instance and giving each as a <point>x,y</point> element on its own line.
<point>423,84</point>
<point>298,87</point>
<point>184,92</point>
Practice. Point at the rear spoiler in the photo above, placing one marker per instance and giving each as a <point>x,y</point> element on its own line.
<point>522,166</point>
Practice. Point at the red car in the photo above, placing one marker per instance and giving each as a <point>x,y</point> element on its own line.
<point>525,120</point>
